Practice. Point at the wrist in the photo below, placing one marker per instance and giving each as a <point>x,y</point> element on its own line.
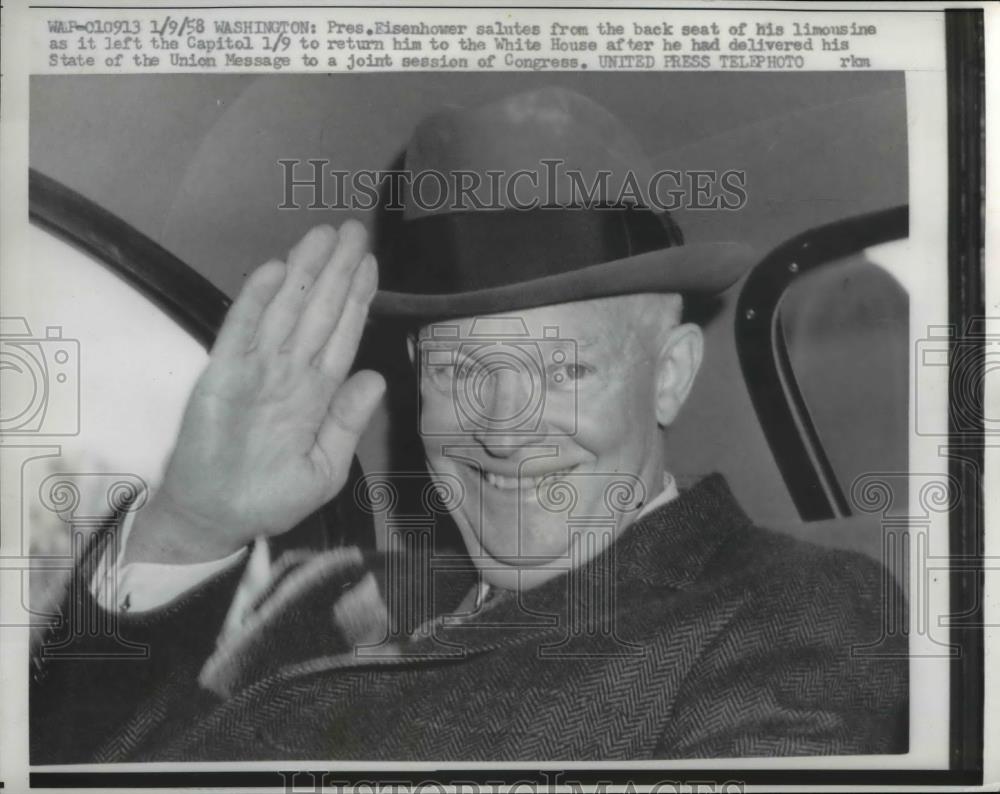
<point>166,533</point>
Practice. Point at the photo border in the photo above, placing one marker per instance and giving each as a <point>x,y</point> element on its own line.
<point>965,54</point>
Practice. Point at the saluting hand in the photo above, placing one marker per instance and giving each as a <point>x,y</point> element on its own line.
<point>273,422</point>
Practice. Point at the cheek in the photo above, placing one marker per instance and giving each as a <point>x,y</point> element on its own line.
<point>617,418</point>
<point>437,412</point>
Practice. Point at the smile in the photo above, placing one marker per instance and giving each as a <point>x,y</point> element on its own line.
<point>507,483</point>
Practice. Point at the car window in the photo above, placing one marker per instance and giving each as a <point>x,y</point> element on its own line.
<point>846,329</point>
<point>95,378</point>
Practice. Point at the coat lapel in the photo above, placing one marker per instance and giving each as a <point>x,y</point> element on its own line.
<point>342,611</point>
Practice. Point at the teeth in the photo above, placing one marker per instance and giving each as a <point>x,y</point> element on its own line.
<point>503,483</point>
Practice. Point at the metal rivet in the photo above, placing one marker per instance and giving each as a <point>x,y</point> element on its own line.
<point>751,313</point>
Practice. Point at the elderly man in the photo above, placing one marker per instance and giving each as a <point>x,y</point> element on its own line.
<point>600,613</point>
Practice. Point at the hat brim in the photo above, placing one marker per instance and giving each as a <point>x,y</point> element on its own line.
<point>702,269</point>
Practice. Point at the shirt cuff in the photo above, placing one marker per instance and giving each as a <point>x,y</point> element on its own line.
<point>144,586</point>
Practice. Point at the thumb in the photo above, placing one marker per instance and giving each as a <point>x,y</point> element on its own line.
<point>348,415</point>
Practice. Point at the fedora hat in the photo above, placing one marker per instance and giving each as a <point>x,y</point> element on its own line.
<point>536,199</point>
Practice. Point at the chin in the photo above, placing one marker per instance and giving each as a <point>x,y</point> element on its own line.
<point>524,535</point>
<point>528,561</point>
<point>517,577</point>
<point>494,542</point>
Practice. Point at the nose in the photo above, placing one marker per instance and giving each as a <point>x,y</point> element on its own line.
<point>505,399</point>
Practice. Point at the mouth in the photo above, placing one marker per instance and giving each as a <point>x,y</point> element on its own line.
<point>505,482</point>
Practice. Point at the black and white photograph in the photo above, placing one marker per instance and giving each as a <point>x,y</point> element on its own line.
<point>401,396</point>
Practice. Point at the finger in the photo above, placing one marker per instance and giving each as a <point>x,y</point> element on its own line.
<point>336,357</point>
<point>305,261</point>
<point>350,411</point>
<point>332,290</point>
<point>240,326</point>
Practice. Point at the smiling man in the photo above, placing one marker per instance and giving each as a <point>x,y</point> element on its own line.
<point>523,424</point>
<point>599,613</point>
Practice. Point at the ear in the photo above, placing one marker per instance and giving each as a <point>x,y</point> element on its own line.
<point>676,367</point>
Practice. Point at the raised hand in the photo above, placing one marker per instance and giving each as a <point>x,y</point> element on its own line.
<point>272,424</point>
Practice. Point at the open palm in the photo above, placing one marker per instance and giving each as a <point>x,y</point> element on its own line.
<point>272,424</point>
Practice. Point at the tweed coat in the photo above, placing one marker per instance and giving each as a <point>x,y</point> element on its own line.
<point>696,635</point>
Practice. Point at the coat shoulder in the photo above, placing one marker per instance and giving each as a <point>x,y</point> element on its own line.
<point>766,559</point>
<point>777,583</point>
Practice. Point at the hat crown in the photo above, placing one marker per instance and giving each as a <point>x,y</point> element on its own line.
<point>494,239</point>
<point>581,153</point>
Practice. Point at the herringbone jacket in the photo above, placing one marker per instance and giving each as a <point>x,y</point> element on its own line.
<point>697,635</point>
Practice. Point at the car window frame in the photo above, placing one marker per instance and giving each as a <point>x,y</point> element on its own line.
<point>766,364</point>
<point>187,297</point>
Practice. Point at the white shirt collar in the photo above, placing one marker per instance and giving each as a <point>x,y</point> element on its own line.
<point>668,493</point>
